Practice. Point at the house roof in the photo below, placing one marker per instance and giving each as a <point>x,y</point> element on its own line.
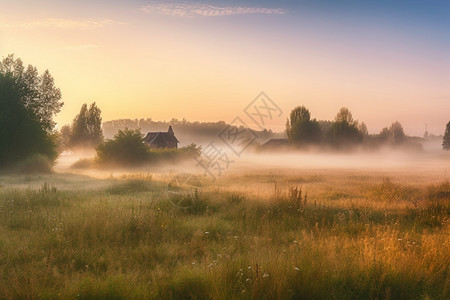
<point>165,136</point>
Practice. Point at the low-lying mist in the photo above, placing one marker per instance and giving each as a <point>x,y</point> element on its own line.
<point>431,161</point>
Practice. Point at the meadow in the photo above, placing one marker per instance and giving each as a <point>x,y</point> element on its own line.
<point>267,233</point>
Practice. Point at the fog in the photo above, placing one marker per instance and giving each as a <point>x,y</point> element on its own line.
<point>432,163</point>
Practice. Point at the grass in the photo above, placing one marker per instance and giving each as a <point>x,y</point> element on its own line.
<point>311,237</point>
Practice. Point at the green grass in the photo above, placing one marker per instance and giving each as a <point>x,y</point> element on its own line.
<point>126,240</point>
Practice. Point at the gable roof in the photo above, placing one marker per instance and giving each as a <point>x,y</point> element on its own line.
<point>165,136</point>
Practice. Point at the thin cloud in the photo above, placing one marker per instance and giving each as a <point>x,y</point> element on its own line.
<point>205,10</point>
<point>64,24</point>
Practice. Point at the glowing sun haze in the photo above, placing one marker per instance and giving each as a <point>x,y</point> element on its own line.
<point>206,60</point>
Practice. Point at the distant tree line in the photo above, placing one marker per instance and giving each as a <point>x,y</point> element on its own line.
<point>343,132</point>
<point>187,131</point>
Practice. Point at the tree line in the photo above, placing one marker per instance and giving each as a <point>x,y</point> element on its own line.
<point>29,101</point>
<point>345,132</point>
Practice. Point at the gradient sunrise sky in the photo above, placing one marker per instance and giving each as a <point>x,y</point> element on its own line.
<point>206,60</point>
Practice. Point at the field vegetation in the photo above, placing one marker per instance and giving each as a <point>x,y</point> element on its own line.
<point>252,235</point>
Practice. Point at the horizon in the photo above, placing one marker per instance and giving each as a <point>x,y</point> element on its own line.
<point>207,60</point>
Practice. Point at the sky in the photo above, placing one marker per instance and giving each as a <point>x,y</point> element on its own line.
<point>207,60</point>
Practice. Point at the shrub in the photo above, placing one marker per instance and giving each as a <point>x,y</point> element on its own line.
<point>127,148</point>
<point>35,164</point>
<point>84,163</point>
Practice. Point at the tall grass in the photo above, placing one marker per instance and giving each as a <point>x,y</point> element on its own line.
<point>128,241</point>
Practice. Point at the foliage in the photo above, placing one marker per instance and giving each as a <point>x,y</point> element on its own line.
<point>37,93</point>
<point>198,132</point>
<point>127,148</point>
<point>83,163</point>
<point>127,241</point>
<point>36,163</point>
<point>362,127</point>
<point>301,129</point>
<point>22,131</point>
<point>394,134</point>
<point>64,137</point>
<point>344,131</point>
<point>86,128</point>
<point>446,139</point>
<point>129,186</point>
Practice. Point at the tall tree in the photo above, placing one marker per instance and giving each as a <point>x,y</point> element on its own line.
<point>344,132</point>
<point>64,137</point>
<point>362,127</point>
<point>301,129</point>
<point>79,128</point>
<point>21,132</point>
<point>393,134</point>
<point>87,127</point>
<point>37,92</point>
<point>446,139</point>
<point>94,125</point>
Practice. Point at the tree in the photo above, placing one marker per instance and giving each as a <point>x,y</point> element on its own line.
<point>393,134</point>
<point>27,105</point>
<point>127,148</point>
<point>37,92</point>
<point>446,139</point>
<point>301,129</point>
<point>87,127</point>
<point>94,125</point>
<point>362,127</point>
<point>64,137</point>
<point>345,116</point>
<point>397,132</point>
<point>344,132</point>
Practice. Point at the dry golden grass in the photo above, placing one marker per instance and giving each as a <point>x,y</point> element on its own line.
<point>262,234</point>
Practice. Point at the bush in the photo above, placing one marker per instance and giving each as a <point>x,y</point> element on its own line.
<point>127,148</point>
<point>84,163</point>
<point>35,164</point>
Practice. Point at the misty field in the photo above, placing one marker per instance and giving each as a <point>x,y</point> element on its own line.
<point>261,234</point>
